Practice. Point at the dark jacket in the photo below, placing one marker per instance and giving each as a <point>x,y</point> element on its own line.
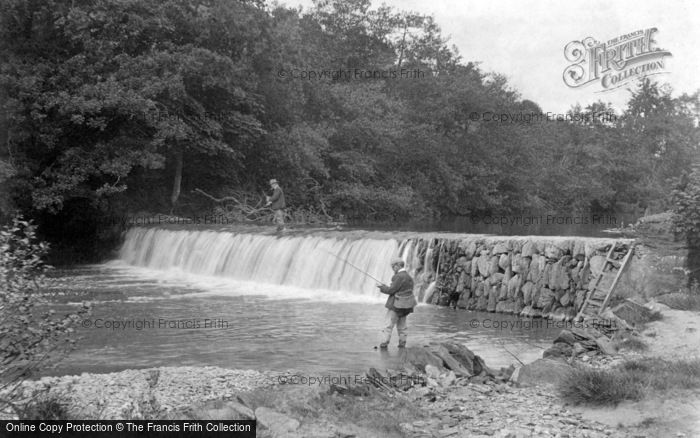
<point>277,199</point>
<point>400,292</point>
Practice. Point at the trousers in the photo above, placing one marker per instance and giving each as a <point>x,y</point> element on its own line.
<point>393,319</point>
<point>279,219</point>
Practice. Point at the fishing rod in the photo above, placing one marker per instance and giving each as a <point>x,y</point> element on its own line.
<point>347,262</point>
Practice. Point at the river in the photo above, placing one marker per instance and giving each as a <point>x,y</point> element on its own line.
<point>182,297</point>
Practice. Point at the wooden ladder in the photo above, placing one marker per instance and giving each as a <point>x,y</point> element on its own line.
<point>597,299</point>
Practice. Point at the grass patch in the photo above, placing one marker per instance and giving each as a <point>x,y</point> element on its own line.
<point>631,380</point>
<point>681,301</point>
<point>634,344</point>
<point>44,407</point>
<point>599,387</point>
<point>661,375</point>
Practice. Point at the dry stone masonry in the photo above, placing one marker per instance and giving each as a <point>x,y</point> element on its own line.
<point>530,276</point>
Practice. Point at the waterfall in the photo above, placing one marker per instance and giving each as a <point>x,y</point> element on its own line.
<point>538,275</point>
<point>309,262</point>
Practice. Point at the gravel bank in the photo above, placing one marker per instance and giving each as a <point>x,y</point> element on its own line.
<point>144,392</point>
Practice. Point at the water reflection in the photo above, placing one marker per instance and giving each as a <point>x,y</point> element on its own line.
<point>141,321</point>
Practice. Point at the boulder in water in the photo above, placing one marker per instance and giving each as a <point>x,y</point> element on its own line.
<point>419,357</point>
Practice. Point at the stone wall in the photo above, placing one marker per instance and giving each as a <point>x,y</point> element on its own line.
<point>526,275</point>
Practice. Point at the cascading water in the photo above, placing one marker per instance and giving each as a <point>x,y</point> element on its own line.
<point>308,262</point>
<point>302,261</point>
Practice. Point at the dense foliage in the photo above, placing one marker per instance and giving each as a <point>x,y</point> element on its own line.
<point>31,335</point>
<point>116,107</point>
<point>686,204</point>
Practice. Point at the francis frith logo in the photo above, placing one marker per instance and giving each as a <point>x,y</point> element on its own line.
<point>615,62</point>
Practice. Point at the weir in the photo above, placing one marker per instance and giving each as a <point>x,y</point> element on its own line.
<point>525,275</point>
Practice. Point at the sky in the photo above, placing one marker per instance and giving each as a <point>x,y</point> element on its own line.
<point>525,40</point>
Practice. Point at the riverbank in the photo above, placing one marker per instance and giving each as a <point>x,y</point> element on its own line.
<point>292,404</point>
<point>286,404</point>
<point>671,412</point>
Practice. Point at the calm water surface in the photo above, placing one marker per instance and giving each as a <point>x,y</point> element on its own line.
<point>144,318</point>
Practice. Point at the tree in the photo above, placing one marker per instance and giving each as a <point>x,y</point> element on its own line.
<point>98,91</point>
<point>31,336</point>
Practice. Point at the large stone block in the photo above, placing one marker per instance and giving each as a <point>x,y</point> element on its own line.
<point>483,263</point>
<point>535,294</point>
<point>419,357</point>
<point>529,249</point>
<point>518,305</point>
<point>503,291</point>
<point>536,267</point>
<point>482,302</point>
<point>514,285</point>
<point>451,362</point>
<point>493,299</point>
<point>516,246</point>
<point>559,314</point>
<point>504,261</point>
<point>495,279</point>
<point>519,264</point>
<point>546,297</point>
<point>493,265</point>
<point>559,275</point>
<point>546,274</point>
<point>470,249</point>
<point>463,301</point>
<point>464,281</point>
<point>462,262</point>
<point>505,306</point>
<point>554,251</point>
<point>579,250</point>
<point>575,272</point>
<point>584,276</point>
<point>501,248</point>
<point>566,299</point>
<point>530,312</point>
<point>467,358</point>
<point>527,292</point>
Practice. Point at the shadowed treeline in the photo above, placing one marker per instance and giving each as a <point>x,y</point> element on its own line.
<point>360,112</point>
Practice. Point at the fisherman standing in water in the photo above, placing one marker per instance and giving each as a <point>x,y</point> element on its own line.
<point>399,304</point>
<point>277,204</point>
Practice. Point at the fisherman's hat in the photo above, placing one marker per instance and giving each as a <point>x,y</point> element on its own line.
<point>397,261</point>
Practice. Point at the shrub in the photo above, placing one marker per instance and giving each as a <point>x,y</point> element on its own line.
<point>43,406</point>
<point>599,387</point>
<point>629,381</point>
<point>31,334</point>
<point>680,301</point>
<point>662,374</point>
